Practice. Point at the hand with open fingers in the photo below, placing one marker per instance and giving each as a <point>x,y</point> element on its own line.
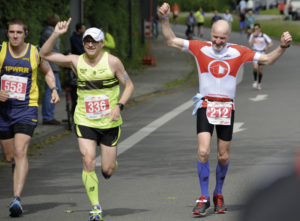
<point>54,97</point>
<point>3,96</point>
<point>285,40</point>
<point>164,10</point>
<point>115,114</point>
<point>62,26</point>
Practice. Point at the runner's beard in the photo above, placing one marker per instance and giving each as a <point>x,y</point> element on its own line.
<point>218,49</point>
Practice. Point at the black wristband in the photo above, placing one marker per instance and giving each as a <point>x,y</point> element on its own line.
<point>54,88</point>
<point>284,46</point>
<point>121,106</point>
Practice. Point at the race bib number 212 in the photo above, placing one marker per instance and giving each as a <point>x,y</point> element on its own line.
<point>219,113</point>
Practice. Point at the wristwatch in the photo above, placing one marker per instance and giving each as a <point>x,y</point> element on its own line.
<point>121,106</point>
<point>54,88</point>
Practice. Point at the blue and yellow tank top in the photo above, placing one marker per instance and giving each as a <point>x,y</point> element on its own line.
<point>19,76</point>
<point>98,93</point>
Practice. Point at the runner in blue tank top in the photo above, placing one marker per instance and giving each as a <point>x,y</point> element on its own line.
<point>19,102</point>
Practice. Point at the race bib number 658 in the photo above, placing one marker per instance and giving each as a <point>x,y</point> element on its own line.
<point>96,107</point>
<point>219,113</point>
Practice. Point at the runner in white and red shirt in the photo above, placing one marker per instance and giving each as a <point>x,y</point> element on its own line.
<point>218,63</point>
<point>259,42</point>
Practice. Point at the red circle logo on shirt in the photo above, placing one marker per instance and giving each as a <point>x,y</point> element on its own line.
<point>219,69</point>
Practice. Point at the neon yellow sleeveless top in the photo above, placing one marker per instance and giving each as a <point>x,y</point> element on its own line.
<point>98,93</point>
<point>200,17</point>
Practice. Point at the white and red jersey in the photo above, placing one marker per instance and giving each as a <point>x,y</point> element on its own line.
<point>260,42</point>
<point>218,70</point>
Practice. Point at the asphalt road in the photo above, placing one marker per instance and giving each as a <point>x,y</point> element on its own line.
<point>157,179</point>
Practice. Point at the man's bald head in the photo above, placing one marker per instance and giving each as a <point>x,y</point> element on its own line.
<point>221,26</point>
<point>220,34</point>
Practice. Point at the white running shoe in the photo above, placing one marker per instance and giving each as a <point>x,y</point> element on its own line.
<point>259,87</point>
<point>254,85</point>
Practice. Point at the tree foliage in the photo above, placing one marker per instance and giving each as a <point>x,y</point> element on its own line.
<point>114,16</point>
<point>207,5</point>
<point>34,14</point>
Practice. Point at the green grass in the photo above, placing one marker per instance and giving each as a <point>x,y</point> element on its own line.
<point>273,28</point>
<point>273,11</point>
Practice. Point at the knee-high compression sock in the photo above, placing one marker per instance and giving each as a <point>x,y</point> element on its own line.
<point>203,173</point>
<point>90,181</point>
<point>220,177</point>
<point>255,75</point>
<point>260,77</point>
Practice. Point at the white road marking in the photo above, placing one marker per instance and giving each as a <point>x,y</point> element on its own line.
<point>259,97</point>
<point>147,130</point>
<point>237,127</point>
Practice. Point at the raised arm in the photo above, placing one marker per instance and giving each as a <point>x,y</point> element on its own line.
<point>54,57</point>
<point>270,58</point>
<point>170,39</point>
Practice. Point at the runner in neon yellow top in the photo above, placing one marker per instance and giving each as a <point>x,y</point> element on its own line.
<point>97,115</point>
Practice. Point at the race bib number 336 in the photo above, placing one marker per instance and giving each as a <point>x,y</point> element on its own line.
<point>15,85</point>
<point>96,107</point>
<point>219,113</point>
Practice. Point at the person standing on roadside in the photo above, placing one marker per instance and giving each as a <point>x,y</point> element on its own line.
<point>250,19</point>
<point>190,22</point>
<point>261,43</point>
<point>175,10</point>
<point>228,17</point>
<point>48,109</point>
<point>218,63</point>
<point>200,21</point>
<point>216,17</point>
<point>97,115</point>
<point>19,94</point>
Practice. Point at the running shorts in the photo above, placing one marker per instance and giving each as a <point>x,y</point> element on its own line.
<point>10,132</point>
<point>199,24</point>
<point>224,132</point>
<point>108,137</point>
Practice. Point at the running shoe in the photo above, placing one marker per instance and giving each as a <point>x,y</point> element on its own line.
<point>259,87</point>
<point>254,85</point>
<point>202,204</point>
<point>15,208</point>
<point>219,204</point>
<point>96,213</point>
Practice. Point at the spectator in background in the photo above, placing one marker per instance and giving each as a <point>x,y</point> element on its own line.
<point>242,18</point>
<point>48,108</point>
<point>76,39</point>
<point>216,17</point>
<point>242,6</point>
<point>249,22</point>
<point>233,6</point>
<point>250,5</point>
<point>175,11</point>
<point>281,6</point>
<point>200,21</point>
<point>190,22</point>
<point>228,17</point>
<point>109,42</point>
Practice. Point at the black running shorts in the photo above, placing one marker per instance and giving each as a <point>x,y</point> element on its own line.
<point>224,132</point>
<point>17,128</point>
<point>108,137</point>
